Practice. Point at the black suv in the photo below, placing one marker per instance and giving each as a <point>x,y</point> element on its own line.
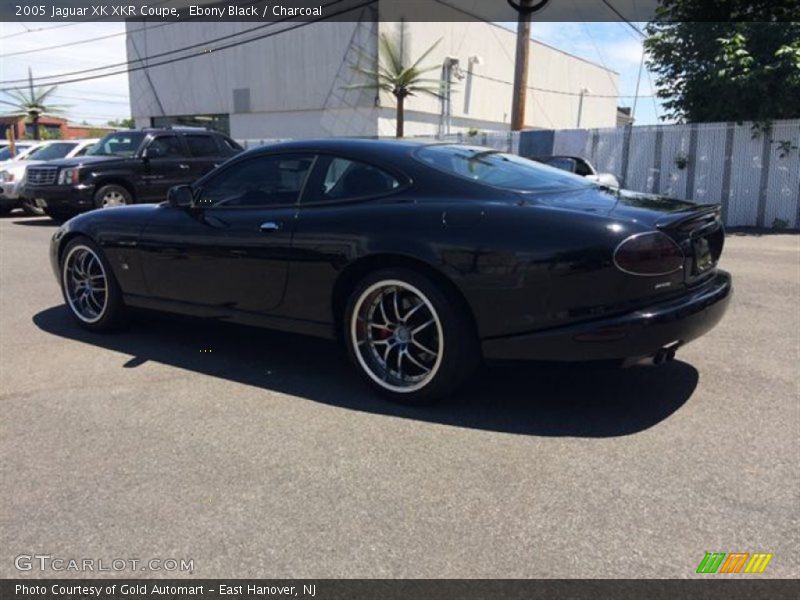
<point>126,167</point>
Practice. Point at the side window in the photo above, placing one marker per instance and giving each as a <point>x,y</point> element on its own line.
<point>82,151</point>
<point>259,181</point>
<point>582,168</point>
<point>201,145</point>
<point>228,146</point>
<point>168,145</point>
<point>346,179</point>
<point>563,163</point>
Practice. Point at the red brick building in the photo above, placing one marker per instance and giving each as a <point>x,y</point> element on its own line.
<point>53,126</point>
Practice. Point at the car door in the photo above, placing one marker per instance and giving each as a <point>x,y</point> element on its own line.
<point>231,249</point>
<point>334,207</point>
<point>165,164</point>
<point>204,154</point>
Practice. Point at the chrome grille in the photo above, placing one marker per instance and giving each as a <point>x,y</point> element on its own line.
<point>41,175</point>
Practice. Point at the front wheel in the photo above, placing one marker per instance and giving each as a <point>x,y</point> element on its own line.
<point>90,288</point>
<point>30,208</point>
<point>112,195</point>
<point>408,337</point>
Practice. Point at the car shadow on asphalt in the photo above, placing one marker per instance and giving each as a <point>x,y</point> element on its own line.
<point>36,222</point>
<point>527,399</point>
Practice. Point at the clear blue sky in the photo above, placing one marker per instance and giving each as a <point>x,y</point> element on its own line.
<point>613,45</point>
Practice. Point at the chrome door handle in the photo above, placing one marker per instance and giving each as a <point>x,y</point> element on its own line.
<point>269,226</point>
<point>184,166</point>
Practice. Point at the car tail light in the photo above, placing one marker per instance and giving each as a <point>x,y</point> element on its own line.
<point>652,253</point>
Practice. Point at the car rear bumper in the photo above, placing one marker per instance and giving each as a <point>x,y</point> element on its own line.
<point>77,198</point>
<point>637,334</point>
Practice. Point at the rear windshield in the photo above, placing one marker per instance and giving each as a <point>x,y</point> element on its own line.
<point>52,151</point>
<point>118,144</point>
<point>498,169</point>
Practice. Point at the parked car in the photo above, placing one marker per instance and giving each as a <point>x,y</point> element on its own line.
<point>20,150</point>
<point>12,173</point>
<point>127,167</point>
<point>421,258</point>
<point>579,166</point>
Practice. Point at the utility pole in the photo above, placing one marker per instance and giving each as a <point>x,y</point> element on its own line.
<point>521,65</point>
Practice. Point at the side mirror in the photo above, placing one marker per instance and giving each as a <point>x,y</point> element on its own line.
<point>180,196</point>
<point>151,152</point>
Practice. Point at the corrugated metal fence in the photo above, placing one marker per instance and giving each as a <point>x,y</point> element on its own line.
<point>753,174</point>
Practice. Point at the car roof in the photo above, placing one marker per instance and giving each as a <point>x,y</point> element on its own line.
<point>359,146</point>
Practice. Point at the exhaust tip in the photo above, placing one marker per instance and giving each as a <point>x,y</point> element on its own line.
<point>663,356</point>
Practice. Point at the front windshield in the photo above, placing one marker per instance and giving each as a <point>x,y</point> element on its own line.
<point>122,143</point>
<point>51,151</point>
<point>498,169</point>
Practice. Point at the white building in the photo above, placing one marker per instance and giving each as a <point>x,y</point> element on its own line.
<point>294,83</point>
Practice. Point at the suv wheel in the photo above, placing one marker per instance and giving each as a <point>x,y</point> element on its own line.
<point>30,209</point>
<point>408,338</point>
<point>112,195</point>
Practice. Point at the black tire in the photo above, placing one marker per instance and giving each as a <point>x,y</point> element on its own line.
<point>59,215</point>
<point>4,210</point>
<point>30,209</point>
<point>112,195</point>
<point>108,314</point>
<point>450,349</point>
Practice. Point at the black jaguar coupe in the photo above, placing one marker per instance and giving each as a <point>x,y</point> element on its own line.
<point>422,259</point>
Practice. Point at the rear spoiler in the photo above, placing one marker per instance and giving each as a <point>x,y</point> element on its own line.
<point>701,217</point>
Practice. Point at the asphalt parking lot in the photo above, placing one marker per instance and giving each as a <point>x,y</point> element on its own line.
<point>258,454</point>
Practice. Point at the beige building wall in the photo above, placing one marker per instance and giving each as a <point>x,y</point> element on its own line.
<point>296,84</point>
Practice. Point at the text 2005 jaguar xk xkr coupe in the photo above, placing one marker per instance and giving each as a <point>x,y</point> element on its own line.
<point>422,258</point>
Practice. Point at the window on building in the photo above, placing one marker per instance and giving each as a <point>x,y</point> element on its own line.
<point>259,181</point>
<point>218,122</point>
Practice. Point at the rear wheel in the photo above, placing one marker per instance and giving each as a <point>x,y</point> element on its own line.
<point>408,338</point>
<point>90,288</point>
<point>112,195</point>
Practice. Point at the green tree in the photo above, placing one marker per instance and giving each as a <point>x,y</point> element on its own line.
<point>402,81</point>
<point>127,123</point>
<point>32,103</point>
<point>709,67</point>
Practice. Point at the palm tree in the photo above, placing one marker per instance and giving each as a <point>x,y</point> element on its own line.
<point>30,102</point>
<point>402,81</point>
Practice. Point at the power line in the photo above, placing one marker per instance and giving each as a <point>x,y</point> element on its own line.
<point>166,53</point>
<point>197,54</point>
<point>84,41</point>
<point>623,17</point>
<point>70,24</point>
<point>551,91</point>
<point>85,99</point>
<point>102,37</point>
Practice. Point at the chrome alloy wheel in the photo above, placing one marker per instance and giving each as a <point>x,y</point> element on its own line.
<point>397,336</point>
<point>85,284</point>
<point>113,198</point>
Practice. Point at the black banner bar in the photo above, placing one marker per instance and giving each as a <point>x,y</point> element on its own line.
<point>392,10</point>
<point>712,588</point>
